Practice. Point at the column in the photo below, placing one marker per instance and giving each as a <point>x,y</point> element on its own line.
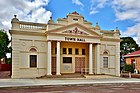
<point>90,60</point>
<point>16,58</point>
<point>98,58</point>
<point>49,66</point>
<point>58,59</point>
<point>117,59</point>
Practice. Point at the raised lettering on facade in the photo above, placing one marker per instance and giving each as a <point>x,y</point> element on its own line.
<point>74,39</point>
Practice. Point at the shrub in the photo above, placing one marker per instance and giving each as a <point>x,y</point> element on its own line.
<point>129,68</point>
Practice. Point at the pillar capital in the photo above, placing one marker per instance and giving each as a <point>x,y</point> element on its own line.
<point>58,41</point>
<point>49,40</point>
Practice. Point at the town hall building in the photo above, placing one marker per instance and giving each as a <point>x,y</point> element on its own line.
<point>70,45</point>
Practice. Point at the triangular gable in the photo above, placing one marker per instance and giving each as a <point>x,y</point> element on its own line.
<point>74,29</point>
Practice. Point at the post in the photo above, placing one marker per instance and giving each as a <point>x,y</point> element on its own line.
<point>98,58</point>
<point>90,59</point>
<point>58,59</point>
<point>49,66</point>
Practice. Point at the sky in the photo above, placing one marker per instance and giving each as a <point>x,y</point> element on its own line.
<point>108,13</point>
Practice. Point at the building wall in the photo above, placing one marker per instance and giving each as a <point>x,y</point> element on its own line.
<point>27,35</point>
<point>113,55</point>
<point>21,44</point>
<point>137,59</point>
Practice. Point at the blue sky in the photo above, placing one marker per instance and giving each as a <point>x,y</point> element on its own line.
<point>108,13</point>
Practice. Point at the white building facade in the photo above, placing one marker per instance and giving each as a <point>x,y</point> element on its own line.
<point>70,45</point>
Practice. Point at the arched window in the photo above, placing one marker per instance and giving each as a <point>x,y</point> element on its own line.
<point>33,57</point>
<point>33,50</point>
<point>105,59</point>
<point>105,53</point>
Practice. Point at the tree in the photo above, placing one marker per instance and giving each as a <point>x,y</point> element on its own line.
<point>4,42</point>
<point>128,45</point>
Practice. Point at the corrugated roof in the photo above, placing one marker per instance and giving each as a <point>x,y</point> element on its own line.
<point>136,53</point>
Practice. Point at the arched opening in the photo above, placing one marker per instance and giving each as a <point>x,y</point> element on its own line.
<point>33,57</point>
<point>33,50</point>
<point>105,59</point>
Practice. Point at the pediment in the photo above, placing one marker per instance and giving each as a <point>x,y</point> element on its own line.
<point>74,29</point>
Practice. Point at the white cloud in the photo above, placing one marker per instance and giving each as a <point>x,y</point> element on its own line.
<point>137,39</point>
<point>128,10</point>
<point>124,10</point>
<point>133,31</point>
<point>77,2</point>
<point>26,10</point>
<point>96,5</point>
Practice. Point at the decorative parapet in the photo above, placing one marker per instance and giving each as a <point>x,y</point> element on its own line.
<point>21,25</point>
<point>32,26</point>
<point>111,34</point>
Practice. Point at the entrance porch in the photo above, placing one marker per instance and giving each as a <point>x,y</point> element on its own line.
<point>72,57</point>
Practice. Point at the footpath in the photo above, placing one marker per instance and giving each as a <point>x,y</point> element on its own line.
<point>65,81</point>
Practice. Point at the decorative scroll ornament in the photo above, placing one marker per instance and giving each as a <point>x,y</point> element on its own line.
<point>75,31</point>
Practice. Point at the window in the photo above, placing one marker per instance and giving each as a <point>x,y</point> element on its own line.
<point>75,19</point>
<point>67,59</point>
<point>133,62</point>
<point>33,57</point>
<point>76,51</point>
<point>83,52</point>
<point>32,50</point>
<point>55,50</point>
<point>64,51</point>
<point>33,60</point>
<point>70,50</point>
<point>105,62</point>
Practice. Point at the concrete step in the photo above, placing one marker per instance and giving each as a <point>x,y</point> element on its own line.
<point>73,75</point>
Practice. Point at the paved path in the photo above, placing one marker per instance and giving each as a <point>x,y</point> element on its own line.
<point>40,82</point>
<point>4,74</point>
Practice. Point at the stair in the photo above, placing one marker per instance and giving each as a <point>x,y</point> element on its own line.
<point>72,75</point>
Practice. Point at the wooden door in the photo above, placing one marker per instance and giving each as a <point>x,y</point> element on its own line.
<point>79,64</point>
<point>53,65</point>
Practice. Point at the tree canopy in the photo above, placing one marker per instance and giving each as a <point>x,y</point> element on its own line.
<point>4,42</point>
<point>128,45</point>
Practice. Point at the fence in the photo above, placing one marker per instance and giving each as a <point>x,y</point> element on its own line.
<point>5,67</point>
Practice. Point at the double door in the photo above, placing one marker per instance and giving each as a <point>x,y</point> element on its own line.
<point>79,64</point>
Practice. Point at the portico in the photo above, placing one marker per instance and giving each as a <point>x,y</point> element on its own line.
<point>88,65</point>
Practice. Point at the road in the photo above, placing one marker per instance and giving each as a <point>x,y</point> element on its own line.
<point>92,88</point>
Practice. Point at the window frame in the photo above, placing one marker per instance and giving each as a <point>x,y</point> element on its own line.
<point>75,19</point>
<point>65,51</point>
<point>31,62</point>
<point>64,60</point>
<point>84,53</point>
<point>55,50</point>
<point>105,62</point>
<point>33,53</point>
<point>76,51</point>
<point>69,50</point>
